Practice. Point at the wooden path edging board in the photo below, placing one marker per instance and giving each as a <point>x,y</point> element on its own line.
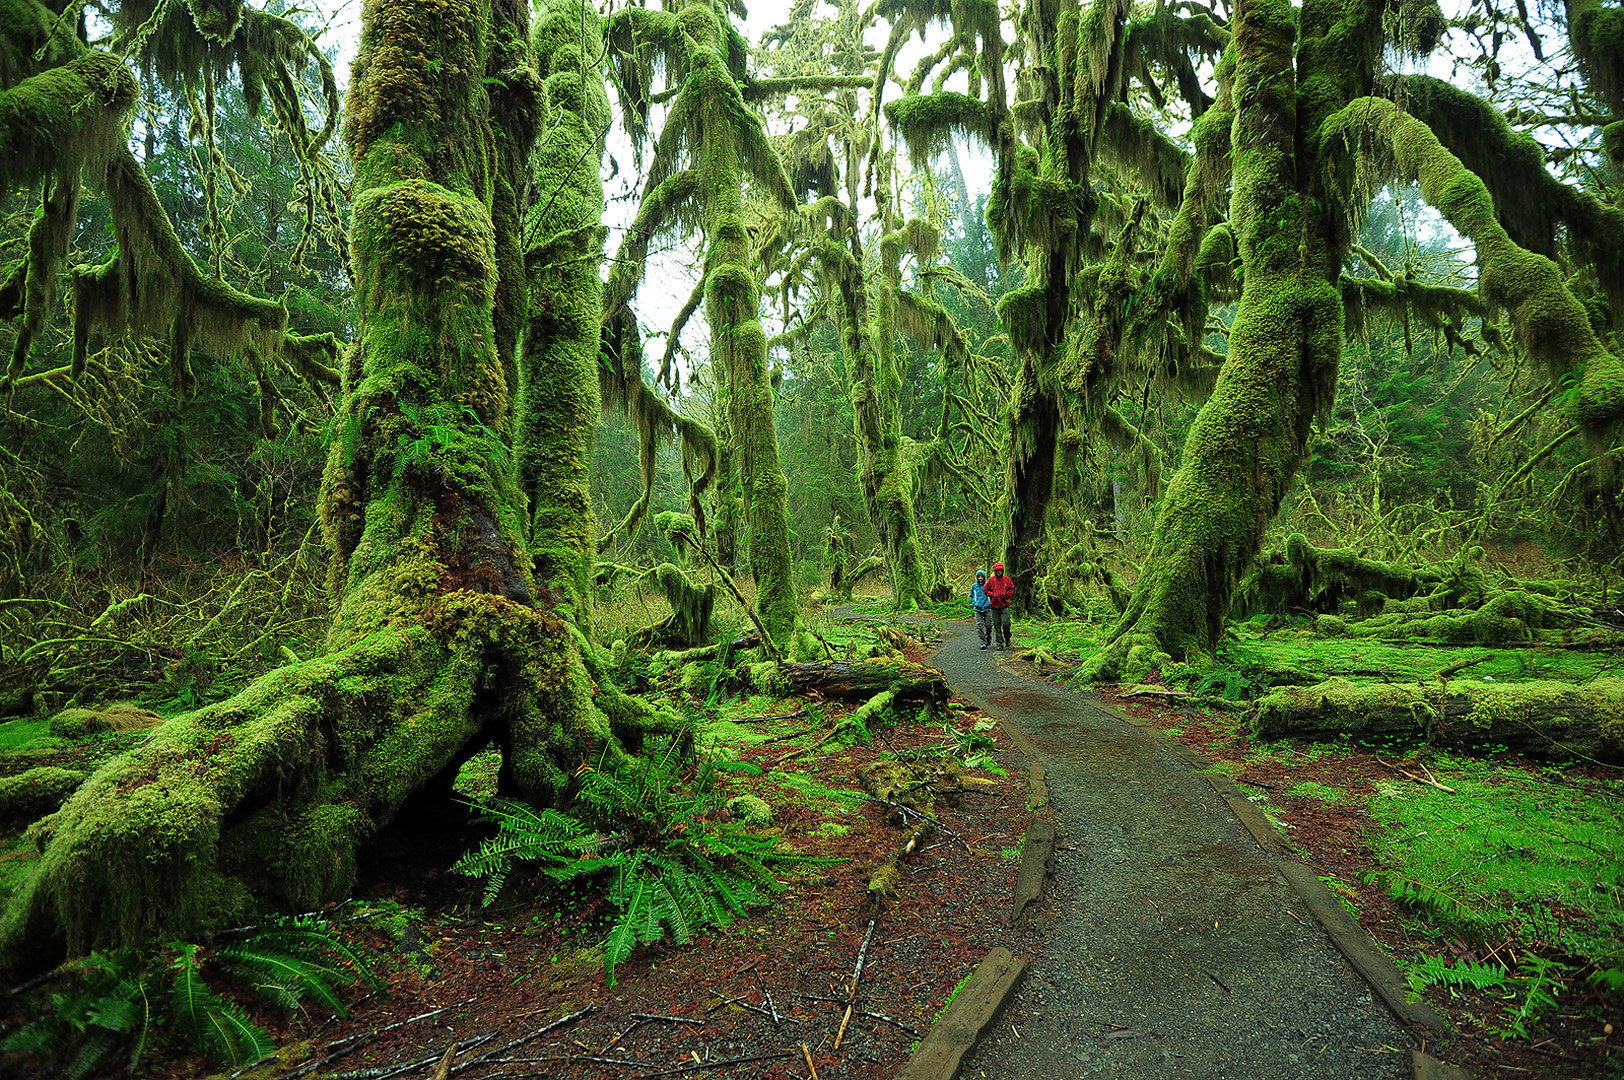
<point>1351,940</point>
<point>964,1020</point>
<point>1424,1066</point>
<point>1037,863</point>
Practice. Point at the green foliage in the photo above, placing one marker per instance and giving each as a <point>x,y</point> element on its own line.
<point>668,860</point>
<point>115,1002</point>
<point>1511,855</point>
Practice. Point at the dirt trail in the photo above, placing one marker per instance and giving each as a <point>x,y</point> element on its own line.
<point>1172,950</point>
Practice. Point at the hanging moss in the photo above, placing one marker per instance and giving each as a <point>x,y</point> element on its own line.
<point>70,117</point>
<point>1552,325</point>
<point>930,123</point>
<point>691,604</point>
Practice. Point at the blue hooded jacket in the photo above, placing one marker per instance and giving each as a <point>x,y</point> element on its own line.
<point>978,593</point>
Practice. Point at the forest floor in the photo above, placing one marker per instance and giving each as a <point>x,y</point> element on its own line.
<point>518,988</point>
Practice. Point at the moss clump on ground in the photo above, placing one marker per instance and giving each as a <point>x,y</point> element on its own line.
<point>750,810</point>
<point>38,791</point>
<point>79,723</point>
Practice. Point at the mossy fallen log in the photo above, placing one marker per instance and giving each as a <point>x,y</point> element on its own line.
<point>1543,718</point>
<point>1506,618</point>
<point>854,680</point>
<point>1302,577</point>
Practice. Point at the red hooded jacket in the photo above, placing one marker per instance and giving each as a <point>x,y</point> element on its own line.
<point>1000,590</point>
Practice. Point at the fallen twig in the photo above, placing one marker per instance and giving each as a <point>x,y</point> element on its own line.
<point>1217,980</point>
<point>522,1039</point>
<point>1429,779</point>
<point>807,1054</point>
<point>741,1003</point>
<point>352,1043</point>
<point>857,977</point>
<point>383,1072</point>
<point>893,1021</point>
<point>905,808</point>
<point>671,1019</point>
<point>717,1064</point>
<point>766,994</point>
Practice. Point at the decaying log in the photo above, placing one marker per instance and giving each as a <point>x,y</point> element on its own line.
<point>856,680</point>
<point>1543,718</point>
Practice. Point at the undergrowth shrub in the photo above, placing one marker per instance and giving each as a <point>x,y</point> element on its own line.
<point>111,1004</point>
<point>669,861</point>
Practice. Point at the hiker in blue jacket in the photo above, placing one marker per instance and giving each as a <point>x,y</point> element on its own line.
<point>983,608</point>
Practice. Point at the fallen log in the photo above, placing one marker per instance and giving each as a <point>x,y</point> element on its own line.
<point>854,680</point>
<point>1543,718</point>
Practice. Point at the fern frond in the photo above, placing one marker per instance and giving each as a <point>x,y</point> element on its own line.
<point>282,977</point>
<point>208,1019</point>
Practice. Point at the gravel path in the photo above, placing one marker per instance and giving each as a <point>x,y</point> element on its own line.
<point>1172,950</point>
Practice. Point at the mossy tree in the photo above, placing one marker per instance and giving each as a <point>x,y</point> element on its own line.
<point>1075,62</point>
<point>861,294</point>
<point>1312,139</point>
<point>441,643</point>
<point>713,141</point>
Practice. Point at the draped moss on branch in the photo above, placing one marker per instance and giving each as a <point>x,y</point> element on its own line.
<point>1551,323</point>
<point>712,130</point>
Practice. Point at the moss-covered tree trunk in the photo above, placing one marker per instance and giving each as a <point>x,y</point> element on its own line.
<point>732,303</point>
<point>440,644</point>
<point>739,347</point>
<point>1250,437</point>
<point>559,404</point>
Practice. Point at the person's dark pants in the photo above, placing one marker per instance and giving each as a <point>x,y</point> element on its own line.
<point>1000,625</point>
<point>984,626</point>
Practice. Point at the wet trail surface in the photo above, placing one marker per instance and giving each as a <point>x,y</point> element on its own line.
<point>1174,948</point>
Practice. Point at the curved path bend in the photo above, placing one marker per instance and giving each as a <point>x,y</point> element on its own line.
<point>1174,947</point>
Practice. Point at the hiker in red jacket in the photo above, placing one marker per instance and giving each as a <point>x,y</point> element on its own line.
<point>1000,591</point>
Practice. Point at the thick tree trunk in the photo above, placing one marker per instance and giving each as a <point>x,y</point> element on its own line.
<point>559,403</point>
<point>438,647</point>
<point>1250,437</point>
<point>738,343</point>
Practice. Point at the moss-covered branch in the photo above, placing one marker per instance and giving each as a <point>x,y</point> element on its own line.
<point>1551,323</point>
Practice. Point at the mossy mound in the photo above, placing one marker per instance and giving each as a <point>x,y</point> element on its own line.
<point>38,791</point>
<point>750,810</point>
<point>79,723</point>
